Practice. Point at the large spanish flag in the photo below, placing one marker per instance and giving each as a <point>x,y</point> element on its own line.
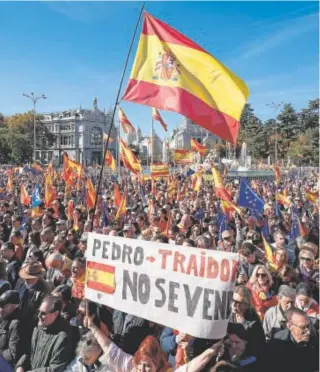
<point>156,116</point>
<point>101,277</point>
<point>159,170</point>
<point>181,156</point>
<point>127,127</point>
<point>197,147</point>
<point>171,72</point>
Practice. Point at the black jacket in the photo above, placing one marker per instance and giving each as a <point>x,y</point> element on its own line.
<point>11,333</point>
<point>12,269</point>
<point>129,331</point>
<point>30,301</point>
<point>283,354</point>
<point>51,349</point>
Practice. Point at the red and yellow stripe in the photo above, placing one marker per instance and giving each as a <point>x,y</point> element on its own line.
<point>101,277</point>
<point>109,160</point>
<point>156,116</point>
<point>127,127</point>
<point>197,147</point>
<point>181,156</point>
<point>171,72</point>
<point>159,170</point>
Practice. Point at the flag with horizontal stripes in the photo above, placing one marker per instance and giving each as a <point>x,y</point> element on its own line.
<point>127,127</point>
<point>282,199</point>
<point>24,196</point>
<point>312,196</point>
<point>90,194</point>
<point>156,116</point>
<point>101,277</point>
<point>110,162</point>
<point>197,147</point>
<point>171,72</point>
<point>122,210</point>
<point>181,156</point>
<point>128,158</point>
<point>105,138</point>
<point>159,170</point>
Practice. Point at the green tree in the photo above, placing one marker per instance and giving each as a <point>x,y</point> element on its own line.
<point>251,132</point>
<point>289,127</point>
<point>309,117</point>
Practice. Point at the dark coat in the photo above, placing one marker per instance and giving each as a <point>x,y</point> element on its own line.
<point>30,301</point>
<point>255,334</point>
<point>11,341</point>
<point>51,349</point>
<point>129,331</point>
<point>12,269</point>
<point>283,354</point>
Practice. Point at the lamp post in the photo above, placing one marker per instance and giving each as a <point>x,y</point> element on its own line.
<point>34,99</point>
<point>276,107</point>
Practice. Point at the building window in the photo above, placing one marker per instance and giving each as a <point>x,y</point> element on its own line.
<point>96,136</point>
<point>65,140</point>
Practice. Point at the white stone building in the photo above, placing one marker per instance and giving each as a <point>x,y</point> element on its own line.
<point>180,137</point>
<point>79,132</point>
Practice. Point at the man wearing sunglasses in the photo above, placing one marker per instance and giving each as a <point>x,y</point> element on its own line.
<point>51,340</point>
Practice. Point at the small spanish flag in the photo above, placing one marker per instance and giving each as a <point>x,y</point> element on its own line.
<point>91,194</point>
<point>24,196</point>
<point>181,156</point>
<point>221,191</point>
<point>197,147</point>
<point>105,138</point>
<point>110,162</point>
<point>116,195</point>
<point>123,206</point>
<point>159,170</point>
<point>127,127</point>
<point>10,183</point>
<point>101,277</point>
<point>282,199</point>
<point>269,255</point>
<point>312,196</point>
<point>156,116</point>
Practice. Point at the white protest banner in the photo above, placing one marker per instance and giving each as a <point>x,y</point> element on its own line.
<point>187,289</point>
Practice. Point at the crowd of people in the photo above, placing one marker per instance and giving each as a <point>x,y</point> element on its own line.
<point>47,325</point>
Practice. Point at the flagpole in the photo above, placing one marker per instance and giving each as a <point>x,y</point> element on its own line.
<point>152,142</point>
<point>114,111</point>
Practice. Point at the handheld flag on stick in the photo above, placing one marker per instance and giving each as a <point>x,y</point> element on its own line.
<point>249,199</point>
<point>221,192</point>
<point>24,196</point>
<point>156,116</point>
<point>197,147</point>
<point>91,194</point>
<point>116,195</point>
<point>178,75</point>
<point>123,206</point>
<point>110,162</point>
<point>127,127</point>
<point>35,198</point>
<point>10,183</point>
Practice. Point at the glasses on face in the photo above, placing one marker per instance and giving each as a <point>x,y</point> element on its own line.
<point>261,275</point>
<point>238,303</point>
<point>307,259</point>
<point>303,329</point>
<point>43,314</point>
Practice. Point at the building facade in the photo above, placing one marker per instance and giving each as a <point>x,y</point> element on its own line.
<point>180,137</point>
<point>80,133</point>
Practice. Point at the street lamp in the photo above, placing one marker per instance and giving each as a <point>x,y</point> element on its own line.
<point>34,99</point>
<point>276,107</point>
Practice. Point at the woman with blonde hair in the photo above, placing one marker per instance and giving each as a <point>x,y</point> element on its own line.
<point>260,285</point>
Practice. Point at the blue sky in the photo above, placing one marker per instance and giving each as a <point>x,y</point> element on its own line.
<point>74,51</point>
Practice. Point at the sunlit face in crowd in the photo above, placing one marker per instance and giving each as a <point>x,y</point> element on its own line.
<point>280,240</point>
<point>90,357</point>
<point>303,301</point>
<point>299,327</point>
<point>286,303</point>
<point>237,345</point>
<point>281,257</point>
<point>46,315</point>
<point>262,277</point>
<point>306,260</point>
<point>239,304</point>
<point>196,231</point>
<point>179,240</point>
<point>77,270</point>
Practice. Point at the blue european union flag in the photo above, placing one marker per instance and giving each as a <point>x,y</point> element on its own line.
<point>248,198</point>
<point>190,172</point>
<point>35,198</point>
